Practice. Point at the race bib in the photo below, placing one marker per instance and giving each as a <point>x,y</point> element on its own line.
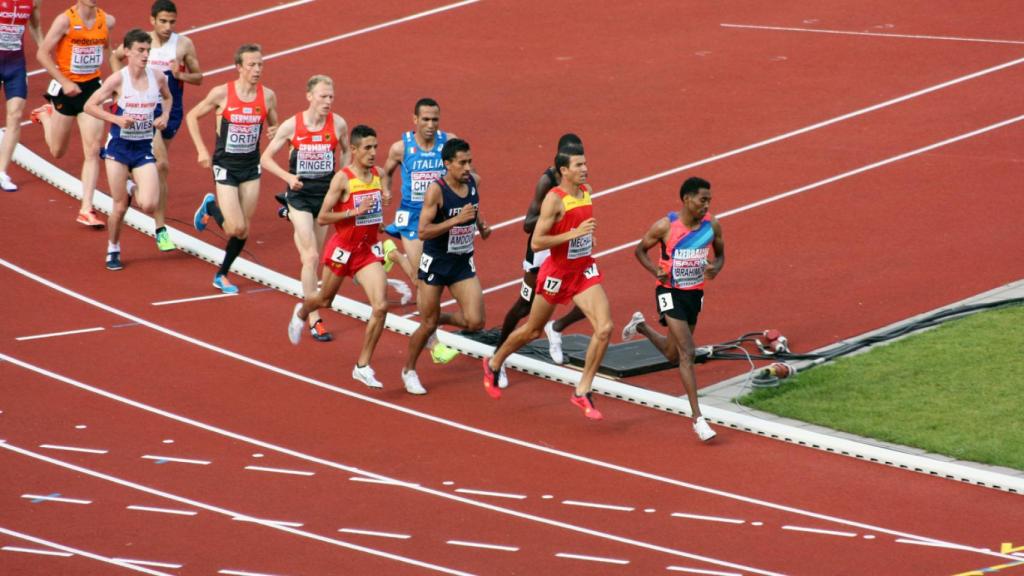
<point>141,128</point>
<point>219,173</point>
<point>420,181</point>
<point>402,218</point>
<point>54,88</point>
<point>375,214</point>
<point>460,238</point>
<point>665,302</point>
<point>525,292</point>
<point>242,138</point>
<point>689,271</point>
<point>10,37</point>
<point>314,161</point>
<point>472,265</point>
<point>378,250</point>
<point>552,285</point>
<point>86,59</point>
<point>581,247</point>
<point>591,271</point>
<point>340,256</point>
<point>425,262</point>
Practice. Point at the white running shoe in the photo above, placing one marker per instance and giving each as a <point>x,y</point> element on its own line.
<point>366,375</point>
<point>554,343</point>
<point>295,325</point>
<point>412,382</point>
<point>629,331</point>
<point>402,288</point>
<point>502,378</point>
<point>130,188</point>
<point>704,432</point>
<point>6,183</point>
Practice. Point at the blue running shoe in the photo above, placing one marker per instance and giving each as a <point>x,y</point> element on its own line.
<point>222,283</point>
<point>114,261</point>
<point>202,216</point>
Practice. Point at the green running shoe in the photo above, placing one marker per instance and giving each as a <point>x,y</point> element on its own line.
<point>164,242</point>
<point>442,354</point>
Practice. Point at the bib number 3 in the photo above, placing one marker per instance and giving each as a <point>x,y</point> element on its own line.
<point>664,302</point>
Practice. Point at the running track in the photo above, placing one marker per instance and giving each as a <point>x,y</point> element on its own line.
<point>453,471</point>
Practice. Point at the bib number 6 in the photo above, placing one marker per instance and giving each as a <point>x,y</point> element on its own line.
<point>402,218</point>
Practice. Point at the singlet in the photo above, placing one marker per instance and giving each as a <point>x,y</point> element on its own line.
<point>458,240</point>
<point>164,60</point>
<point>241,125</point>
<point>14,17</point>
<point>419,168</point>
<point>361,229</point>
<point>685,255</point>
<point>312,155</point>
<point>575,254</point>
<point>140,106</point>
<point>80,50</point>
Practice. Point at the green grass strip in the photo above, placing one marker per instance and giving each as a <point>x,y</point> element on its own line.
<point>956,390</point>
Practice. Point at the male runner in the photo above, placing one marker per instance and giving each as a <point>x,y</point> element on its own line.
<point>243,107</point>
<point>566,227</point>
<point>315,136</point>
<point>531,265</point>
<point>681,272</point>
<point>354,205</point>
<point>174,56</point>
<point>15,16</point>
<point>419,154</point>
<point>448,223</point>
<point>81,37</point>
<point>133,124</point>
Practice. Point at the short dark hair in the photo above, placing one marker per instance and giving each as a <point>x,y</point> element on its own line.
<point>163,6</point>
<point>565,155</point>
<point>245,49</point>
<point>692,185</point>
<point>425,102</point>
<point>136,36</point>
<point>359,132</point>
<point>570,139</point>
<point>453,147</point>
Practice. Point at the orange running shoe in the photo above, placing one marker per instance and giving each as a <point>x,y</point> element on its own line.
<point>44,109</point>
<point>89,218</point>
<point>586,403</point>
<point>489,385</point>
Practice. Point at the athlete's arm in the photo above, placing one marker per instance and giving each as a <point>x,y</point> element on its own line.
<point>271,100</point>
<point>544,184</point>
<point>117,58</point>
<point>284,133</point>
<point>654,235</point>
<point>433,202</point>
<point>35,28</point>
<point>213,101</point>
<point>719,245</point>
<point>106,90</point>
<point>192,74</point>
<point>166,101</point>
<point>344,152</point>
<point>337,192</point>
<point>395,154</point>
<point>106,47</point>
<point>44,54</point>
<point>551,212</point>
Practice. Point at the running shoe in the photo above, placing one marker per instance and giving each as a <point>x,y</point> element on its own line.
<point>89,218</point>
<point>367,376</point>
<point>403,290</point>
<point>554,343</point>
<point>489,386</point>
<point>502,378</point>
<point>320,334</point>
<point>282,199</point>
<point>164,242</point>
<point>412,382</point>
<point>629,330</point>
<point>389,247</point>
<point>46,109</point>
<point>442,354</point>
<point>295,325</point>
<point>202,216</point>
<point>704,432</point>
<point>114,261</point>
<point>222,283</point>
<point>6,183</point>
<point>130,187</point>
<point>586,403</point>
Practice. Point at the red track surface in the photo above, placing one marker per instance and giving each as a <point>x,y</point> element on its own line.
<point>648,90</point>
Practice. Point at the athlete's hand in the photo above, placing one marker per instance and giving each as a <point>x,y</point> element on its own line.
<point>160,123</point>
<point>712,271</point>
<point>386,197</point>
<point>294,182</point>
<point>467,213</point>
<point>364,205</point>
<point>661,275</point>
<point>125,122</point>
<point>203,158</point>
<point>485,231</point>
<point>271,130</point>
<point>586,227</point>
<point>70,88</point>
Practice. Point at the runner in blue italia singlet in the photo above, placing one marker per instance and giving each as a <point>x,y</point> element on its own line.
<point>419,168</point>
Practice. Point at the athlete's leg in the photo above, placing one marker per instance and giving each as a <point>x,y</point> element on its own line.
<point>470,298</point>
<point>429,305</point>
<point>323,297</point>
<point>117,178</point>
<point>56,131</point>
<point>91,129</point>
<point>308,245</point>
<point>681,339</point>
<point>571,317</point>
<point>594,303</point>
<point>162,168</point>
<point>12,131</point>
<point>374,282</point>
<point>147,187</point>
<point>540,313</point>
<point>664,344</point>
<point>521,308</point>
<point>413,250</point>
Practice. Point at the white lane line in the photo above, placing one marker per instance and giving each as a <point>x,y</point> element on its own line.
<point>223,22</point>
<point>149,563</point>
<point>73,449</point>
<point>596,505</point>
<point>938,545</point>
<point>56,499</point>
<point>226,512</point>
<point>820,531</point>
<point>874,34</point>
<point>36,551</point>
<point>487,493</point>
<point>243,573</point>
<point>708,518</point>
<point>431,418</point>
<point>280,470</point>
<point>55,334</point>
<point>161,510</point>
<point>375,533</point>
<point>591,558</point>
<point>77,551</point>
<point>354,33</point>
<point>699,571</point>
<point>791,134</point>
<point>484,546</point>
<point>244,518</point>
<point>385,481</point>
<point>195,299</point>
<point>161,459</point>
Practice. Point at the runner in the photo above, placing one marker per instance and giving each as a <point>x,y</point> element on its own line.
<point>448,224</point>
<point>14,18</point>
<point>174,56</point>
<point>353,205</point>
<point>315,136</point>
<point>684,236</point>
<point>133,124</point>
<point>565,226</point>
<point>243,107</point>
<point>81,37</point>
